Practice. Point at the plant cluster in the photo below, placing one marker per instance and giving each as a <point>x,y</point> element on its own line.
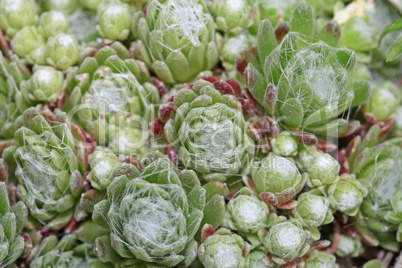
<point>200,133</point>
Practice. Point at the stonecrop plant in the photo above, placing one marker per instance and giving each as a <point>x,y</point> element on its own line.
<point>200,133</point>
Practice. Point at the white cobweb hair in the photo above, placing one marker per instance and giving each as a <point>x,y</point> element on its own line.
<point>186,17</point>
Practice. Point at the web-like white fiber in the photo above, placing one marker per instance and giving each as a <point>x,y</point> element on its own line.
<point>316,66</point>
<point>151,217</point>
<point>214,137</point>
<point>181,19</point>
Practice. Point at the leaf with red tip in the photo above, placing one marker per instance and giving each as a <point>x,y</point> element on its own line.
<point>172,154</point>
<point>166,111</point>
<point>159,85</point>
<point>288,205</point>
<point>206,232</point>
<point>269,198</point>
<point>306,138</point>
<point>223,87</point>
<point>326,146</point>
<point>270,98</point>
<point>209,78</point>
<point>281,30</point>
<point>156,127</point>
<point>248,182</point>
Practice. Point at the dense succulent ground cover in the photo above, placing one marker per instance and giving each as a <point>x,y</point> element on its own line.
<point>200,133</point>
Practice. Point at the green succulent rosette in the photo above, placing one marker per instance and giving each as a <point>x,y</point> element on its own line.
<point>208,129</point>
<point>12,72</point>
<point>222,248</point>
<point>12,220</point>
<point>176,39</point>
<point>50,157</point>
<point>322,259</point>
<point>247,213</point>
<point>322,168</point>
<point>277,179</point>
<point>313,210</point>
<point>152,214</point>
<point>111,97</point>
<point>62,51</point>
<point>15,15</point>
<point>349,246</point>
<point>383,102</point>
<point>284,144</point>
<point>256,258</point>
<point>285,241</point>
<point>346,194</point>
<point>114,21</point>
<point>52,23</point>
<point>302,81</point>
<point>65,6</point>
<point>44,86</point>
<point>83,26</point>
<point>231,16</point>
<point>28,43</point>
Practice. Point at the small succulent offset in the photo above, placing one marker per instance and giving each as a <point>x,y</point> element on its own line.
<point>27,42</point>
<point>176,39</point>
<point>62,51</point>
<point>152,214</point>
<point>44,86</point>
<point>52,23</point>
<point>277,180</point>
<point>50,157</point>
<point>246,213</point>
<point>231,16</point>
<point>346,194</point>
<point>114,22</point>
<point>313,210</point>
<point>349,246</point>
<point>12,220</point>
<point>206,125</point>
<point>222,248</point>
<point>285,241</point>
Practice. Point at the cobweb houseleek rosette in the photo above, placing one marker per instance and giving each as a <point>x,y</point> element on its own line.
<point>207,126</point>
<point>112,98</point>
<point>50,157</point>
<point>303,82</point>
<point>176,39</point>
<point>12,220</point>
<point>152,216</point>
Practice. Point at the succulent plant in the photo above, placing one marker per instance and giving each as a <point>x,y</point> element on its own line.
<point>322,169</point>
<point>346,194</point>
<point>44,86</point>
<point>15,15</point>
<point>111,97</point>
<point>12,220</point>
<point>176,39</point>
<point>51,156</point>
<point>349,246</point>
<point>62,51</point>
<point>206,125</point>
<point>312,76</point>
<point>114,22</point>
<point>284,144</point>
<point>383,102</point>
<point>12,72</point>
<point>247,213</point>
<point>152,215</point>
<point>52,23</point>
<point>277,179</point>
<point>285,241</point>
<point>322,259</point>
<point>26,41</point>
<point>231,16</point>
<point>313,211</point>
<point>222,248</point>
